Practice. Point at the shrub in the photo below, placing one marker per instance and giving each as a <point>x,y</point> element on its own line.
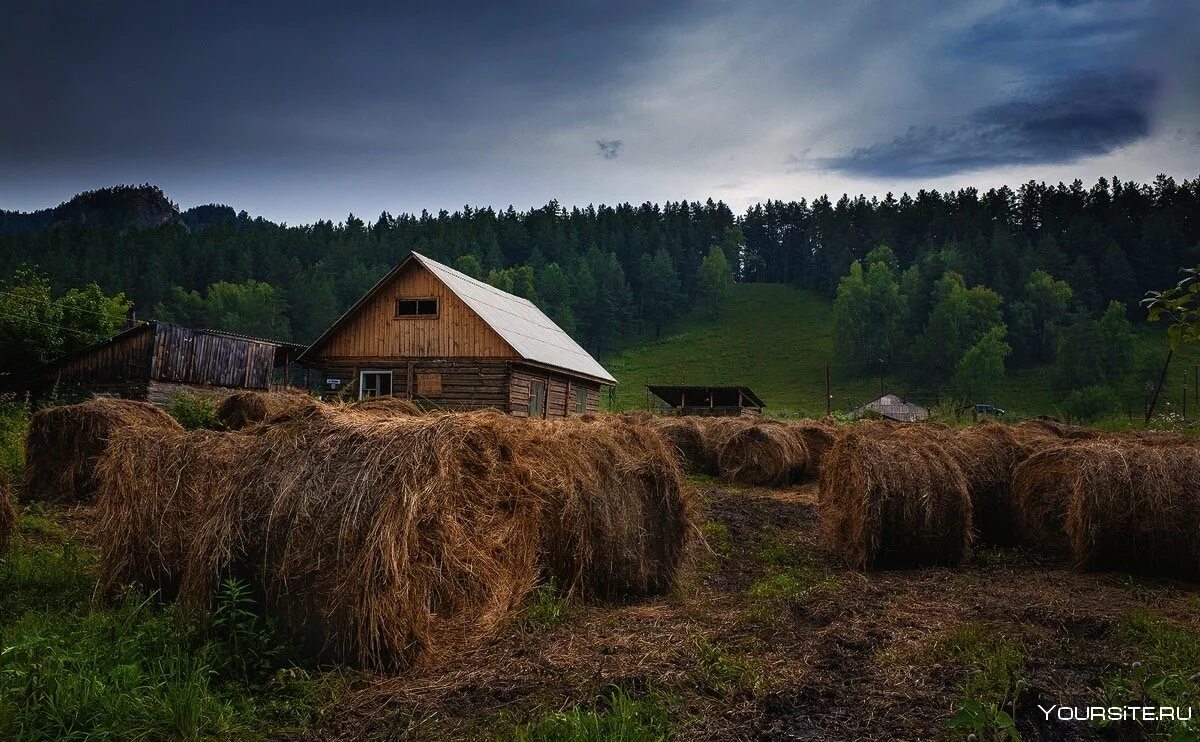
<point>1090,403</point>
<point>193,411</point>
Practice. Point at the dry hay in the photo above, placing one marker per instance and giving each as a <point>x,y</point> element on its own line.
<point>1135,508</point>
<point>152,487</point>
<point>380,541</point>
<point>9,519</point>
<point>618,515</point>
<point>818,436</point>
<point>988,453</point>
<point>243,409</point>
<point>687,436</point>
<point>766,453</point>
<point>386,406</point>
<point>893,501</point>
<point>1047,427</point>
<point>1041,495</point>
<point>65,443</point>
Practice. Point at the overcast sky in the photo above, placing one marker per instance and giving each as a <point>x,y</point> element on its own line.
<point>299,111</point>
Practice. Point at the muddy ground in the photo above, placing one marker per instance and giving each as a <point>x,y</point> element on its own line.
<point>765,641</point>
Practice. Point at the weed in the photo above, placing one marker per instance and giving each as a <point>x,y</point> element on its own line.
<point>622,718</point>
<point>995,679</point>
<point>1163,673</point>
<point>722,674</point>
<point>546,610</point>
<point>785,555</point>
<point>793,585</point>
<point>41,528</point>
<point>14,425</point>
<point>718,538</point>
<point>193,411</point>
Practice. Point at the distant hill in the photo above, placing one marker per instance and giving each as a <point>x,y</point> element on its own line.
<point>121,208</point>
<point>776,339</point>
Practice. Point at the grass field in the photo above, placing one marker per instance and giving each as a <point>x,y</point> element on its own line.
<point>776,339</point>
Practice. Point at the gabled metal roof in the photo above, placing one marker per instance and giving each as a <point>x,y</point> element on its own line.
<point>533,336</point>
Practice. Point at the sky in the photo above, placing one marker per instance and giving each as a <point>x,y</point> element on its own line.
<point>312,110</point>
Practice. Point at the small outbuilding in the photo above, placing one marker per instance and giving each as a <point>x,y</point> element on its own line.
<point>443,339</point>
<point>152,361</point>
<point>728,401</point>
<point>892,407</point>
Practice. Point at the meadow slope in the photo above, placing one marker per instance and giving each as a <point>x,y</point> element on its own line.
<point>777,339</point>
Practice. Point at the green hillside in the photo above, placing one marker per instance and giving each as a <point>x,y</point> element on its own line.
<point>777,339</point>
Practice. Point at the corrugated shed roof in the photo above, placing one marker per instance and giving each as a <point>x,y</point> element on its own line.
<point>532,334</point>
<point>894,408</point>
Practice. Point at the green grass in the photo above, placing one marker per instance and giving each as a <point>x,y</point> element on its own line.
<point>70,670</point>
<point>995,678</point>
<point>776,339</point>
<point>1164,670</point>
<point>545,609</point>
<point>618,717</point>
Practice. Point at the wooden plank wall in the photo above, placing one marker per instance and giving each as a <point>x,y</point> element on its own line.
<point>126,359</point>
<point>560,392</point>
<point>196,357</point>
<point>374,331</point>
<point>467,384</point>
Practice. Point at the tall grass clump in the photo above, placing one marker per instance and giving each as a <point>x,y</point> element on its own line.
<point>194,411</point>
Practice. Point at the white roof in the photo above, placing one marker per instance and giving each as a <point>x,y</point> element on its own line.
<point>532,334</point>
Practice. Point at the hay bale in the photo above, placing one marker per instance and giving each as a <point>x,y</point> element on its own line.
<point>243,409</point>
<point>1040,492</point>
<point>687,437</point>
<point>618,515</point>
<point>893,501</point>
<point>65,443</point>
<point>386,406</point>
<point>152,487</point>
<point>1049,427</point>
<point>1135,508</point>
<point>384,541</point>
<point>9,518</point>
<point>988,453</point>
<point>818,436</point>
<point>766,453</point>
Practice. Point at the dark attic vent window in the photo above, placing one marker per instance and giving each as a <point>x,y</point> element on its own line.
<point>416,308</point>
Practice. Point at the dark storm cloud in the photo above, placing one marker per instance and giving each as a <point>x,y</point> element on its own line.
<point>1073,118</point>
<point>284,82</point>
<point>609,149</point>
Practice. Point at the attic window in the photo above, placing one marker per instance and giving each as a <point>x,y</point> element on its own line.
<point>416,307</point>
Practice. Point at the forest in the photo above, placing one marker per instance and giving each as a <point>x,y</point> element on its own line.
<point>941,288</point>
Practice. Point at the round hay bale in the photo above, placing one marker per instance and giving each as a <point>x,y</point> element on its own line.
<point>766,453</point>
<point>9,518</point>
<point>65,443</point>
<point>1049,427</point>
<point>818,436</point>
<point>618,515</point>
<point>152,486</point>
<point>893,501</point>
<point>1135,508</point>
<point>243,409</point>
<point>386,406</point>
<point>688,439</point>
<point>382,541</point>
<point>1040,492</point>
<point>988,453</point>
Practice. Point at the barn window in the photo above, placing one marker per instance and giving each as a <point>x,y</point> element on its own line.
<point>374,384</point>
<point>429,385</point>
<point>416,307</point>
<point>581,401</point>
<point>537,399</point>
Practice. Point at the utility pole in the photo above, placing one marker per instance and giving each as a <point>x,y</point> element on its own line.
<point>1162,376</point>
<point>828,394</point>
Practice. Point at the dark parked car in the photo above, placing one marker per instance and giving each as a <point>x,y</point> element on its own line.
<point>988,409</point>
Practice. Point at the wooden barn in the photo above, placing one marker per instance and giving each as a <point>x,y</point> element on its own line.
<point>154,360</point>
<point>429,333</point>
<point>707,400</point>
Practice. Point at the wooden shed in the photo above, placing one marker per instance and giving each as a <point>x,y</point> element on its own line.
<point>435,335</point>
<point>708,400</point>
<point>152,361</point>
